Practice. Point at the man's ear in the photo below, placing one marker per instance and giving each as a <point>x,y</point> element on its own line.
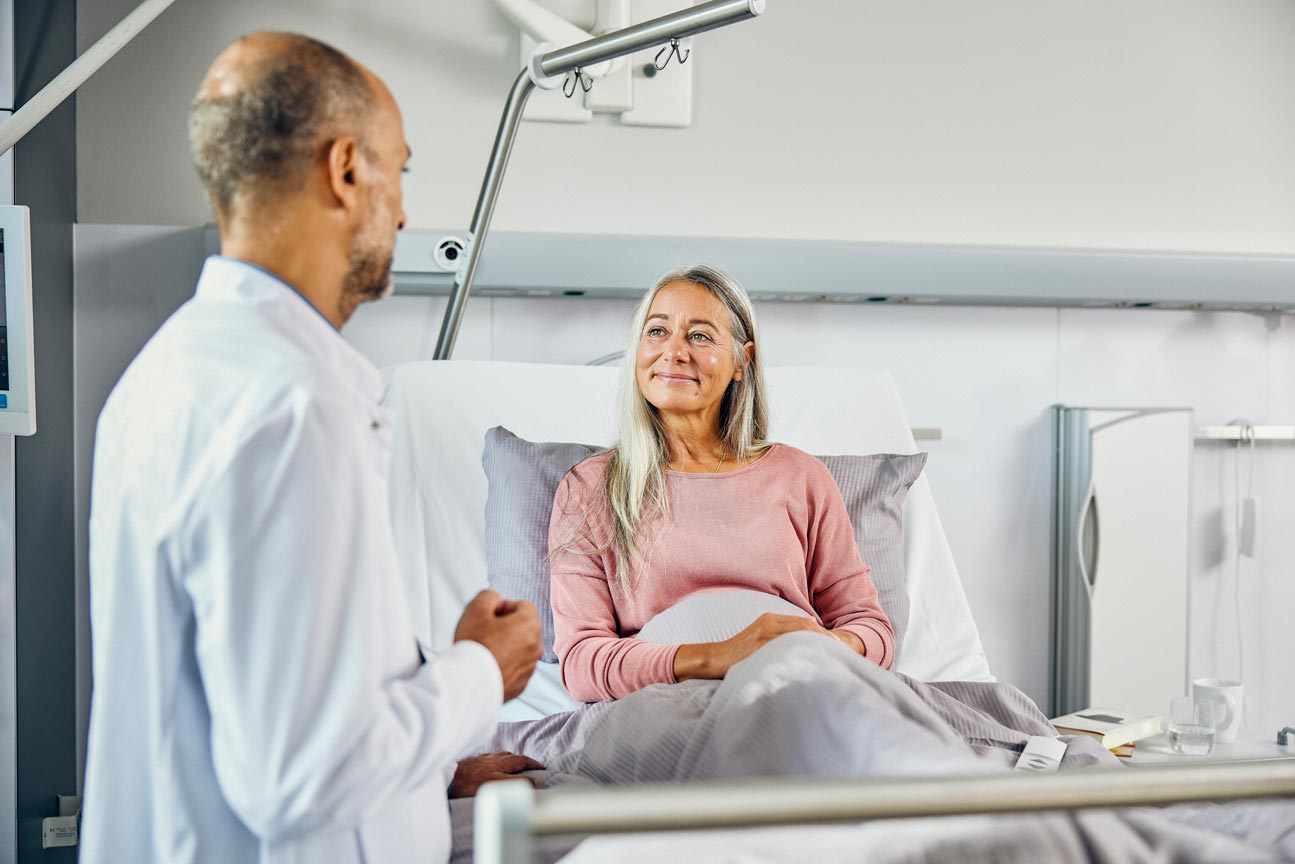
<point>343,166</point>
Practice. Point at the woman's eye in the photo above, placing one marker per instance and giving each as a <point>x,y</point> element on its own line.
<point>700,337</point>
<point>655,332</point>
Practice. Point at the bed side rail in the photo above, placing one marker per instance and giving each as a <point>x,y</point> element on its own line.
<point>510,814</point>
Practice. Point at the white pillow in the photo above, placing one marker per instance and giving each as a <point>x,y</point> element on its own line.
<point>708,616</point>
<point>713,616</point>
<point>544,695</point>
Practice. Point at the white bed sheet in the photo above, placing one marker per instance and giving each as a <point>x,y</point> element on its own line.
<point>438,488</point>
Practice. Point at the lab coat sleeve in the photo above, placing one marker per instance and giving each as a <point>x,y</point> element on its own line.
<point>320,709</point>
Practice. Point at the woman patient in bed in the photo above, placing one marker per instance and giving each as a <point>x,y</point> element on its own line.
<point>693,500</point>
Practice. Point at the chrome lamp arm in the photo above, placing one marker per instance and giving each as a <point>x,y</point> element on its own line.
<point>546,69</point>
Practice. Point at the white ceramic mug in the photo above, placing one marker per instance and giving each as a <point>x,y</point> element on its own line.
<point>1225,695</point>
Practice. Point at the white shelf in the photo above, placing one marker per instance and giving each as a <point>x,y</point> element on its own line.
<point>1244,433</point>
<point>1247,748</point>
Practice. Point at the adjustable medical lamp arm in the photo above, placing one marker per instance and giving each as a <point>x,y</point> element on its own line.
<point>546,69</point>
<point>65,83</point>
<point>545,26</point>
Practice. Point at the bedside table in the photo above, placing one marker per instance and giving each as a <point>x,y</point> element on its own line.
<point>1247,748</point>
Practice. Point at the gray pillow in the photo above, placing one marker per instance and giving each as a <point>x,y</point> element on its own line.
<point>874,488</point>
<point>523,477</point>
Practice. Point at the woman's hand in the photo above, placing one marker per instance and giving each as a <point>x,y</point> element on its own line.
<point>851,640</point>
<point>712,660</point>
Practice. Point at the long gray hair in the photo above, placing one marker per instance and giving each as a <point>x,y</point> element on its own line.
<point>634,483</point>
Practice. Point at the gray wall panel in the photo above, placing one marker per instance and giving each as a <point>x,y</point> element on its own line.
<point>45,181</point>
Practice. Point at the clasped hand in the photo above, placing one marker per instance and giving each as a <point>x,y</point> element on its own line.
<point>510,630</point>
<point>713,660</point>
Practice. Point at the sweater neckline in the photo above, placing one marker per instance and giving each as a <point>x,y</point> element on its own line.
<point>711,475</point>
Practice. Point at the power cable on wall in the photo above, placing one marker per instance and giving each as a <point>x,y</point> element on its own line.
<point>1245,512</point>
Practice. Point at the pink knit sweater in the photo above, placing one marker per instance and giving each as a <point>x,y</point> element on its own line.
<point>777,525</point>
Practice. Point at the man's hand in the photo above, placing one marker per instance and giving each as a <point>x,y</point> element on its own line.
<point>477,770</point>
<point>510,630</point>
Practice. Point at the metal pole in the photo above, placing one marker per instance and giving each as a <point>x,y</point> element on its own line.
<point>501,823</point>
<point>658,31</point>
<point>53,93</point>
<point>734,805</point>
<point>462,285</point>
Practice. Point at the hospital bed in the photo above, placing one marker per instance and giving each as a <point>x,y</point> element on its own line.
<point>442,411</point>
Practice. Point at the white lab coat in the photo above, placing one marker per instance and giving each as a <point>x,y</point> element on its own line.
<point>258,691</point>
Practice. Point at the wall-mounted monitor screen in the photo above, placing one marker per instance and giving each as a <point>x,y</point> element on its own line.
<point>17,361</point>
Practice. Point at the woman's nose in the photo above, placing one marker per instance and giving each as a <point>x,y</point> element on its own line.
<point>677,347</point>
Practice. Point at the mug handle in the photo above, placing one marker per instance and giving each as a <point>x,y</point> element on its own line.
<point>1225,710</point>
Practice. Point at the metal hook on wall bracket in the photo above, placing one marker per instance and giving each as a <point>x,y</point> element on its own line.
<point>577,77</point>
<point>675,51</point>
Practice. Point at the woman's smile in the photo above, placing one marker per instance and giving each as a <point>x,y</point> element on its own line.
<point>685,362</point>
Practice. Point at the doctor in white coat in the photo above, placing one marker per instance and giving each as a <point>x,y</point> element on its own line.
<point>259,695</point>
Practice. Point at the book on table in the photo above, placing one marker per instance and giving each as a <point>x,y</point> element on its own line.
<point>1113,728</point>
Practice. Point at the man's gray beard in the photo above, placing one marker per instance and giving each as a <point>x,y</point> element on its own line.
<point>370,278</point>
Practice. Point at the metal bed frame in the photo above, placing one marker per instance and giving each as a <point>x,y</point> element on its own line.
<point>509,815</point>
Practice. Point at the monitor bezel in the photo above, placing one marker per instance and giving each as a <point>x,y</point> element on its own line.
<point>19,417</point>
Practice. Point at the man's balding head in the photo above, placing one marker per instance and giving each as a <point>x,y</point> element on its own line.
<point>265,110</point>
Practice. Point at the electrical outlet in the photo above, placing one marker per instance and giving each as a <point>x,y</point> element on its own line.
<point>58,831</point>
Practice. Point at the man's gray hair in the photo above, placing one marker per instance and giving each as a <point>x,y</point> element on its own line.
<point>268,133</point>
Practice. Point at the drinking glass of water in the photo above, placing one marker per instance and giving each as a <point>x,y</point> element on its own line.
<point>1191,727</point>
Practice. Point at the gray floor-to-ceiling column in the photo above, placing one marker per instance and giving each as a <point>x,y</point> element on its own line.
<point>44,484</point>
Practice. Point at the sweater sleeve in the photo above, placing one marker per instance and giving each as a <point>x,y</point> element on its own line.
<point>597,662</point>
<point>840,583</point>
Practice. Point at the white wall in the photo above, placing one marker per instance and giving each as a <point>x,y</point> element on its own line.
<point>1163,124</point>
<point>1160,124</point>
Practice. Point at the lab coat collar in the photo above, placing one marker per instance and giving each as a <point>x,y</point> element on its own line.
<point>232,280</point>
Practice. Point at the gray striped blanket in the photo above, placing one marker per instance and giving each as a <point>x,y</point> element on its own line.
<point>805,706</point>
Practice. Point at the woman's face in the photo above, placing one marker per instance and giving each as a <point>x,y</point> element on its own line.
<point>685,356</point>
